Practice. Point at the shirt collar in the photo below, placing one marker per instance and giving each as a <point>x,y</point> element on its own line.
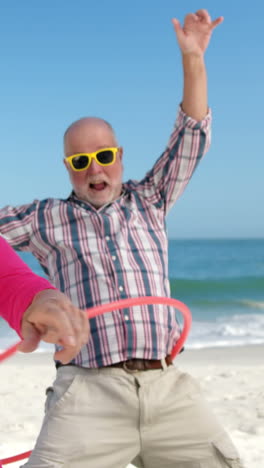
<point>73,197</point>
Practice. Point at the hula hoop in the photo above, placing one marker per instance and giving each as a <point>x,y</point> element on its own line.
<point>122,304</point>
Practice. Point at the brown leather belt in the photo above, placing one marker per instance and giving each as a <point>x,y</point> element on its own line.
<point>134,365</point>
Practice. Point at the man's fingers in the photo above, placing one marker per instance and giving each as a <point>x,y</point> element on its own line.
<point>68,328</point>
<point>217,21</point>
<point>71,345</point>
<point>31,339</point>
<point>65,355</point>
<point>73,328</point>
<point>81,328</point>
<point>54,319</point>
<point>59,322</point>
<point>203,15</point>
<point>178,29</point>
<point>176,23</point>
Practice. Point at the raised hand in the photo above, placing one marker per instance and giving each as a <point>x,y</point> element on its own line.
<point>194,36</point>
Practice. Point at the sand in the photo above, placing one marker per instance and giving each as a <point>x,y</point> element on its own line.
<point>232,379</point>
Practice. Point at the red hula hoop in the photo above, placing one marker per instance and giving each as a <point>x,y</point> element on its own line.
<point>122,304</point>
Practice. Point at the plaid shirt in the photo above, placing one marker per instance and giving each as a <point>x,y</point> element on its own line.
<point>102,255</point>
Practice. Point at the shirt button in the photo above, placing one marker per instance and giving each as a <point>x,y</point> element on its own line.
<point>126,317</point>
<point>113,257</point>
<point>107,238</point>
<point>121,288</point>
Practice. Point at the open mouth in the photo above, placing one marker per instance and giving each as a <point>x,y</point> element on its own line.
<point>98,187</point>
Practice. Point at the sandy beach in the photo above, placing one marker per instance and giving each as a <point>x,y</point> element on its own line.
<point>232,379</point>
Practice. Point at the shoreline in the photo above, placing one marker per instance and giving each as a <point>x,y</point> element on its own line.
<point>240,355</point>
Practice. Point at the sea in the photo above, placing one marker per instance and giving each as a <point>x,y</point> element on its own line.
<point>220,280</point>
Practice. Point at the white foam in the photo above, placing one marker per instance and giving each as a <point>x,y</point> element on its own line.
<point>233,330</point>
<point>236,330</point>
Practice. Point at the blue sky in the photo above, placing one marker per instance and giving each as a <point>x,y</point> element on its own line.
<point>62,59</point>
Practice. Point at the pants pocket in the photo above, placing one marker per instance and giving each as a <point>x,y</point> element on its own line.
<point>49,394</point>
<point>227,452</point>
<point>64,389</point>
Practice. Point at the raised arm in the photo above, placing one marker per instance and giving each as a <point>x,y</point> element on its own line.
<point>193,38</point>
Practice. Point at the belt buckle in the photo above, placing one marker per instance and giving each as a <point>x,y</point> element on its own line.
<point>129,371</point>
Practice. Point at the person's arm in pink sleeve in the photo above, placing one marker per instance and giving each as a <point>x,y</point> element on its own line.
<point>18,286</point>
<point>37,310</point>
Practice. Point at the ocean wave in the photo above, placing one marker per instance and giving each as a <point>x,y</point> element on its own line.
<point>246,293</point>
<point>255,283</point>
<point>233,330</point>
<point>252,304</point>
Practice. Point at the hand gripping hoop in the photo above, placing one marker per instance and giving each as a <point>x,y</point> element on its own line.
<point>117,305</point>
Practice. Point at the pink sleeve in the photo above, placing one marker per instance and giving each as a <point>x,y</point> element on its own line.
<point>18,286</point>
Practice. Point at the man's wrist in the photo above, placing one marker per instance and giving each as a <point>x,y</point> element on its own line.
<point>193,63</point>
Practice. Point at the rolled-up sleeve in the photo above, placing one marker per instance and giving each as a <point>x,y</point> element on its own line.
<point>188,143</point>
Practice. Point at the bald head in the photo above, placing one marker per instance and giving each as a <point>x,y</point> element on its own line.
<point>87,135</point>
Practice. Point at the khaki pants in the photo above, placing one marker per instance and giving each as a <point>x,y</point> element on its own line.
<point>108,418</point>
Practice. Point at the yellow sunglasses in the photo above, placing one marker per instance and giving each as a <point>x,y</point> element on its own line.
<point>103,157</point>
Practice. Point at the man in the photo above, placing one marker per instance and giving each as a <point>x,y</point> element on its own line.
<point>121,400</point>
<point>36,310</point>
